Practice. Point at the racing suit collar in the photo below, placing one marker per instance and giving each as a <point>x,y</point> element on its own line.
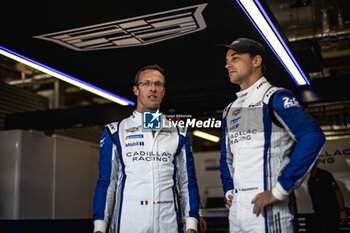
<point>251,89</point>
<point>136,116</point>
<point>136,113</point>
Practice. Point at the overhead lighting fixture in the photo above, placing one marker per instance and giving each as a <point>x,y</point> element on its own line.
<point>206,136</point>
<point>65,77</point>
<point>257,15</point>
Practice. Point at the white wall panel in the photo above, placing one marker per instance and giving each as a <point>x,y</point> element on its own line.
<point>73,178</point>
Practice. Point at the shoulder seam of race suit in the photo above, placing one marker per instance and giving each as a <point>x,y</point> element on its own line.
<point>113,127</point>
<point>269,92</point>
<point>226,177</point>
<point>226,110</point>
<point>268,100</point>
<point>182,131</point>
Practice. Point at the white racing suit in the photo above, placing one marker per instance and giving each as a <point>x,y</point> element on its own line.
<point>258,155</point>
<point>142,173</point>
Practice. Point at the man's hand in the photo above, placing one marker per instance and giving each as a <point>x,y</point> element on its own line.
<point>229,201</point>
<point>191,231</point>
<point>261,200</point>
<point>202,225</point>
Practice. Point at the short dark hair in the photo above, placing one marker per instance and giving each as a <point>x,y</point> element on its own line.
<point>149,67</point>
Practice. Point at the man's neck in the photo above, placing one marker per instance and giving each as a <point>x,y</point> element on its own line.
<point>250,81</point>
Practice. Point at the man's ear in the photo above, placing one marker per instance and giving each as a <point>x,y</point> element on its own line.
<point>136,90</point>
<point>257,61</point>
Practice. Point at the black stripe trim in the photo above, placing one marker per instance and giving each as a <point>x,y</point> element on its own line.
<point>271,113</point>
<point>228,110</point>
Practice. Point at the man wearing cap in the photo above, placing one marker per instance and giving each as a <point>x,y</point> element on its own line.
<point>269,144</point>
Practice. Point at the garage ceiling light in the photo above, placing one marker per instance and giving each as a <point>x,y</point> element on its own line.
<point>257,15</point>
<point>65,77</point>
<point>206,136</point>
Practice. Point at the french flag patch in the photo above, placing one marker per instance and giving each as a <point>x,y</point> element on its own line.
<point>144,202</point>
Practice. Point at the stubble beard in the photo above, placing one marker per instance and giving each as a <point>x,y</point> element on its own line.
<point>234,78</point>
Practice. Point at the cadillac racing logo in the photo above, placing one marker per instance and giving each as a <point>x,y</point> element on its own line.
<point>137,31</point>
<point>149,156</point>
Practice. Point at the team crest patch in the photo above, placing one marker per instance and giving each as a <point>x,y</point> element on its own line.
<point>133,129</point>
<point>236,112</point>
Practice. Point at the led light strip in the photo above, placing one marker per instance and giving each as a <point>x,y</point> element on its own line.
<point>206,136</point>
<point>65,77</point>
<point>259,18</point>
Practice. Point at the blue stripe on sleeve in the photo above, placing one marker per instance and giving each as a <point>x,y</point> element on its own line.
<point>267,136</point>
<point>179,146</point>
<point>192,181</point>
<point>105,163</point>
<point>308,135</point>
<point>119,148</point>
<point>174,192</point>
<point>225,176</point>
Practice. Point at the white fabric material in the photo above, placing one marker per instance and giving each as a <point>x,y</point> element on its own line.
<point>141,179</point>
<point>279,193</point>
<point>243,221</point>
<point>100,225</point>
<point>191,223</point>
<point>229,193</point>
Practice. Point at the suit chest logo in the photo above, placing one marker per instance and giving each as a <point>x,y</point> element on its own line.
<point>149,156</point>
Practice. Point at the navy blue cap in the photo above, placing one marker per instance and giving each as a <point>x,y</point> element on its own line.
<point>246,45</point>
